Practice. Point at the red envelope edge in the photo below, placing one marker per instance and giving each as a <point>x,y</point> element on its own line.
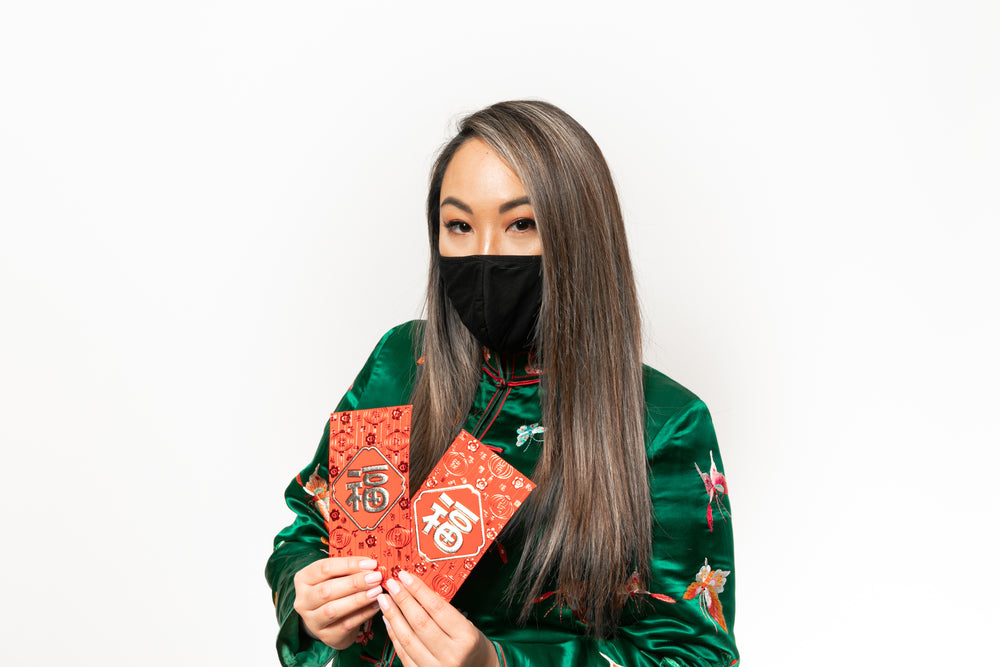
<point>464,503</point>
<point>369,466</point>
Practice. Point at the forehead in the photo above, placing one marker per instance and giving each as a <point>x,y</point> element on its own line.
<point>478,172</point>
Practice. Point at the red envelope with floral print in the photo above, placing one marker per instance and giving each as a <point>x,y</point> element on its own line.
<point>369,486</point>
<point>467,499</point>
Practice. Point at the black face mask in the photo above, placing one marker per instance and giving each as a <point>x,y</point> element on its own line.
<point>498,297</point>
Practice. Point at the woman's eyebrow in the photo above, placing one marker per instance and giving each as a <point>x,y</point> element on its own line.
<point>506,206</point>
<point>457,204</point>
<point>514,203</point>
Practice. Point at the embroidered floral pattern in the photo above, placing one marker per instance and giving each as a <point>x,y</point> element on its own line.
<point>365,633</point>
<point>565,601</point>
<point>532,366</point>
<point>715,486</point>
<point>633,589</point>
<point>319,493</point>
<point>630,590</point>
<point>707,585</point>
<point>526,434</point>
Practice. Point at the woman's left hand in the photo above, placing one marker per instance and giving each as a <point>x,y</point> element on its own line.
<point>429,632</point>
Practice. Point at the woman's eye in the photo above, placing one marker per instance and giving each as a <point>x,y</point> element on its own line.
<point>458,226</point>
<point>523,225</point>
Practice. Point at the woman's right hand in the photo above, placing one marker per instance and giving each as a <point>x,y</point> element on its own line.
<point>334,596</point>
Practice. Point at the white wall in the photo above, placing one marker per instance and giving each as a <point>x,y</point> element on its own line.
<point>193,194</point>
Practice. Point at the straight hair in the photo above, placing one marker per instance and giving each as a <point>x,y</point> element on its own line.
<point>587,525</point>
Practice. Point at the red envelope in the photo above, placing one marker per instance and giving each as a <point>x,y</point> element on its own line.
<point>369,486</point>
<point>462,506</point>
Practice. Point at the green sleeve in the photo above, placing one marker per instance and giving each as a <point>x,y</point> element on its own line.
<point>659,626</point>
<point>301,543</point>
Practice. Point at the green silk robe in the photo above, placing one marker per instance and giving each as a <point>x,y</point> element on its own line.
<point>684,618</point>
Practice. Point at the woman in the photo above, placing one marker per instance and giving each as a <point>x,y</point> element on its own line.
<point>623,553</point>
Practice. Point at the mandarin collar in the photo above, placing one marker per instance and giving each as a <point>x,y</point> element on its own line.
<point>516,367</point>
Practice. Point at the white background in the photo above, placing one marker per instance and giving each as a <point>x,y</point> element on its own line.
<point>212,210</point>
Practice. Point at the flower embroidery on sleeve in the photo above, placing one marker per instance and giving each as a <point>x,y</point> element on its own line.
<point>526,434</point>
<point>715,486</point>
<point>707,585</point>
<point>570,600</point>
<point>565,601</point>
<point>319,494</point>
<point>632,590</point>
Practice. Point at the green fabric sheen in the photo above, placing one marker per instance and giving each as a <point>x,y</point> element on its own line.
<point>679,435</point>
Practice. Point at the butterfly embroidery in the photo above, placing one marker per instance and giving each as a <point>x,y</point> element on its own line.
<point>715,486</point>
<point>707,585</point>
<point>526,434</point>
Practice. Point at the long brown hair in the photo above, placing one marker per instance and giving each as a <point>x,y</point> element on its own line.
<point>587,525</point>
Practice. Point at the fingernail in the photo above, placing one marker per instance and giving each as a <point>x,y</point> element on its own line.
<point>405,577</point>
<point>373,578</point>
<point>373,592</point>
<point>393,586</point>
<point>383,602</point>
<point>387,626</point>
<point>368,564</point>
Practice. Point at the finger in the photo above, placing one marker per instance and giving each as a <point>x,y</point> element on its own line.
<point>400,651</point>
<point>403,636</point>
<point>344,632</point>
<point>444,614</point>
<point>314,597</point>
<point>357,618</point>
<point>421,620</point>
<point>334,611</point>
<point>328,568</point>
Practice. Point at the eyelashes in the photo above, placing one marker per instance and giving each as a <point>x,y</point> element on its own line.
<point>458,226</point>
<point>522,224</point>
<point>462,227</point>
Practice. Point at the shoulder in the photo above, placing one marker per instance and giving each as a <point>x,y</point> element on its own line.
<point>674,414</point>
<point>664,397</point>
<point>388,376</point>
<point>400,342</point>
<point>664,391</point>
